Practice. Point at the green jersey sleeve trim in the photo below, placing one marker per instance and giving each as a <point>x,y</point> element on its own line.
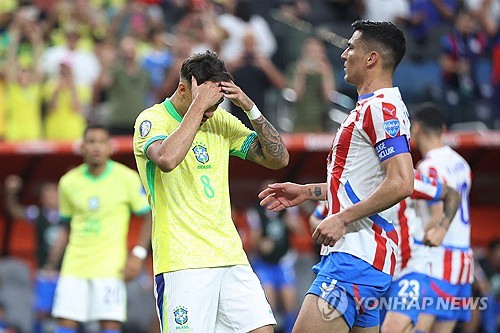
<point>64,219</point>
<point>143,211</point>
<point>150,175</point>
<point>171,110</point>
<point>242,153</point>
<point>150,142</point>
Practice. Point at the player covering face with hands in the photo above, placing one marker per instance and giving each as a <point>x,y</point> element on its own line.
<point>203,280</point>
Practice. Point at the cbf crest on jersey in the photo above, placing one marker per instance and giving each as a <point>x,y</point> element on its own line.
<point>181,315</point>
<point>93,203</point>
<point>201,153</point>
<point>145,128</point>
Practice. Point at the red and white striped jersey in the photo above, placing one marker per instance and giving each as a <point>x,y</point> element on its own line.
<point>452,261</point>
<point>376,130</point>
<point>412,255</point>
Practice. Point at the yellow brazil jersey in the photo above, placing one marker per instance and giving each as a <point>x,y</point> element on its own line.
<point>192,225</point>
<point>23,109</point>
<point>98,209</point>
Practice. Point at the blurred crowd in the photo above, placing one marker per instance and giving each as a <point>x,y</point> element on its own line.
<point>65,64</point>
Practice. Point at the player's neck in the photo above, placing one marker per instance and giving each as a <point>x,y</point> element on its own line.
<point>96,169</point>
<point>175,99</point>
<point>430,144</point>
<point>371,85</point>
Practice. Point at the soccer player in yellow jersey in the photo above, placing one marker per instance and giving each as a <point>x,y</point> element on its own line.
<point>96,198</point>
<point>203,281</point>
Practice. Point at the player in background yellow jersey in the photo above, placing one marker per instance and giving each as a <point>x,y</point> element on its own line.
<point>96,199</point>
<point>203,281</point>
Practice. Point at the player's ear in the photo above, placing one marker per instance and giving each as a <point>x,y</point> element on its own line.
<point>372,58</point>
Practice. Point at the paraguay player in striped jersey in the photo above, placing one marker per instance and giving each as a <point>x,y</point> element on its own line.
<point>369,171</point>
<point>411,281</point>
<point>452,262</point>
<point>203,280</point>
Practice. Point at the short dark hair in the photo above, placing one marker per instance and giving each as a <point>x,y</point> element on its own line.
<point>386,36</point>
<point>430,116</point>
<point>205,67</point>
<point>95,126</point>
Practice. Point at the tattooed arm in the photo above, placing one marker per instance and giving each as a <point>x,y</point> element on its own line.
<point>268,149</point>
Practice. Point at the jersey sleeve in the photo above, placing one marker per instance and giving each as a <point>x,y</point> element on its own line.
<point>387,128</point>
<point>240,137</point>
<point>425,167</point>
<point>65,207</point>
<point>148,129</point>
<point>426,188</point>
<point>137,195</point>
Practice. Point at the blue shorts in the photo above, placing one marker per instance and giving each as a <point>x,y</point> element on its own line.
<point>406,295</point>
<point>45,288</point>
<point>352,286</point>
<point>449,302</point>
<point>276,275</point>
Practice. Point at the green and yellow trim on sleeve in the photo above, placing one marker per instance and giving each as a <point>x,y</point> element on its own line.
<point>150,142</point>
<point>242,152</point>
<point>143,211</point>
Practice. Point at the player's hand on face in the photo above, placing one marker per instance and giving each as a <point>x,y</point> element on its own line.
<point>206,94</point>
<point>236,95</point>
<point>330,230</point>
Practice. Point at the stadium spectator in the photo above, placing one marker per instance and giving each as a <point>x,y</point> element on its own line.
<point>461,50</point>
<point>183,46</point>
<point>371,147</point>
<point>95,201</point>
<point>84,63</point>
<point>157,61</point>
<point>488,14</point>
<point>201,25</point>
<point>287,27</point>
<point>313,80</point>
<point>127,86</point>
<point>255,74</point>
<point>452,262</point>
<point>238,17</point>
<point>427,17</point>
<point>23,82</point>
<point>395,11</point>
<point>182,150</point>
<point>45,217</point>
<point>67,105</point>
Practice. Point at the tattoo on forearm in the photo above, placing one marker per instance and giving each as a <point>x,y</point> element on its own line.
<point>315,193</point>
<point>269,141</point>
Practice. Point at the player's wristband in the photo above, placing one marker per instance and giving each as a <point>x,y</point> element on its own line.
<point>139,252</point>
<point>254,113</point>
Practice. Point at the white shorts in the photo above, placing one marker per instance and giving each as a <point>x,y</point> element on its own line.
<point>206,300</point>
<point>85,300</point>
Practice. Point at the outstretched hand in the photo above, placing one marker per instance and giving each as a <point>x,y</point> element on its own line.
<point>279,196</point>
